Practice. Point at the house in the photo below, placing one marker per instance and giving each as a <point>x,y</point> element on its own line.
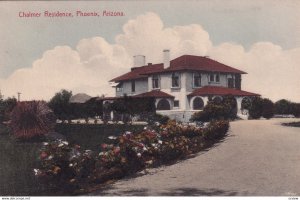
<point>183,85</point>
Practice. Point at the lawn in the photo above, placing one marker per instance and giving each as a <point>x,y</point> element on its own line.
<point>19,158</point>
<point>90,136</point>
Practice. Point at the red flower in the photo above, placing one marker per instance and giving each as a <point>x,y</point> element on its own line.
<point>117,150</point>
<point>43,155</point>
<point>104,146</point>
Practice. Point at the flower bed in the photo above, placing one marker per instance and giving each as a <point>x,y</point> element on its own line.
<point>73,169</point>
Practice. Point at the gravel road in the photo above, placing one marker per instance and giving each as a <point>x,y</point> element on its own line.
<point>258,158</point>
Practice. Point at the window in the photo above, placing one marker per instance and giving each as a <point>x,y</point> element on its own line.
<point>133,86</point>
<point>218,78</point>
<point>119,87</point>
<point>230,82</point>
<point>175,80</point>
<point>155,82</point>
<point>197,80</point>
<point>217,99</point>
<point>211,78</point>
<point>163,104</point>
<point>176,103</point>
<point>198,103</point>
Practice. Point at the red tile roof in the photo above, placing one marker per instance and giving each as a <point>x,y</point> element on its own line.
<point>185,62</point>
<point>155,93</point>
<point>215,90</point>
<point>138,72</point>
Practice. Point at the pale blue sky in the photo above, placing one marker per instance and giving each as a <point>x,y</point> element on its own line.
<point>244,22</point>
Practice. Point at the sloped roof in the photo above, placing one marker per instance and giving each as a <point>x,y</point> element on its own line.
<point>138,72</point>
<point>185,62</point>
<point>155,93</point>
<point>215,90</point>
<point>79,98</point>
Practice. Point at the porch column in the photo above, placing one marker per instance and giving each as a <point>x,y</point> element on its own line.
<point>239,104</point>
<point>205,100</point>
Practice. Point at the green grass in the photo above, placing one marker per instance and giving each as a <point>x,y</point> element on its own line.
<point>90,136</point>
<point>19,158</point>
<point>16,167</point>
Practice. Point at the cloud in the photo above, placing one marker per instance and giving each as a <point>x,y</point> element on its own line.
<point>146,35</point>
<point>272,71</point>
<point>86,69</point>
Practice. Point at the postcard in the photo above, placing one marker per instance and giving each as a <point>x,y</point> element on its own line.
<point>150,98</point>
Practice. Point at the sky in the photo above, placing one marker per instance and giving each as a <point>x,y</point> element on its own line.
<point>39,56</point>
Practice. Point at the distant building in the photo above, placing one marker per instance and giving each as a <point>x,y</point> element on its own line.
<point>183,85</point>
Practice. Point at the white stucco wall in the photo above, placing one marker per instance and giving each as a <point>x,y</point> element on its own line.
<point>141,86</point>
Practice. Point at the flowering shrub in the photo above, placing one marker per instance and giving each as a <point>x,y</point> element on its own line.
<point>63,165</point>
<point>72,167</point>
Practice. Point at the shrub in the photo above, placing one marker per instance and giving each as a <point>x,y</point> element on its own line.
<point>283,107</point>
<point>64,166</point>
<point>31,118</point>
<point>261,108</point>
<point>226,109</point>
<point>256,109</point>
<point>295,109</point>
<point>153,118</point>
<point>267,108</point>
<point>6,106</point>
<point>71,168</point>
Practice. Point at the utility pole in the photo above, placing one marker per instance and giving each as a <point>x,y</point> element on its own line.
<point>19,96</point>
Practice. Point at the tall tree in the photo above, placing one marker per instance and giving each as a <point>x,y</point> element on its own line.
<point>61,106</point>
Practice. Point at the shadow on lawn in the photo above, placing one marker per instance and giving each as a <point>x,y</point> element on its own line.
<point>185,191</point>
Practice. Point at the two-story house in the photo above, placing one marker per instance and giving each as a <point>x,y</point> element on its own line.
<point>183,85</point>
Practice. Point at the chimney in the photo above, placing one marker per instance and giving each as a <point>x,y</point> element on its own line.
<point>166,54</point>
<point>139,60</point>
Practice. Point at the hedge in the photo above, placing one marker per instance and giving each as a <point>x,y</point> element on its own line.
<point>69,167</point>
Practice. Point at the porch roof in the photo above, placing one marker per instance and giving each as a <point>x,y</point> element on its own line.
<point>217,90</point>
<point>155,93</point>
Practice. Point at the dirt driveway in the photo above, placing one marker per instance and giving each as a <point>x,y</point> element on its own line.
<point>259,157</point>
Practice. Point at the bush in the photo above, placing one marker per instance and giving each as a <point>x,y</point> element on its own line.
<point>71,168</point>
<point>153,118</point>
<point>226,109</point>
<point>261,108</point>
<point>267,108</point>
<point>6,106</point>
<point>283,107</point>
<point>256,109</point>
<point>31,118</point>
<point>295,109</point>
<point>63,166</point>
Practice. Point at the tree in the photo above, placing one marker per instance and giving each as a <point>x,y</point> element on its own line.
<point>283,107</point>
<point>129,106</point>
<point>6,106</point>
<point>60,105</point>
<point>267,108</point>
<point>295,109</point>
